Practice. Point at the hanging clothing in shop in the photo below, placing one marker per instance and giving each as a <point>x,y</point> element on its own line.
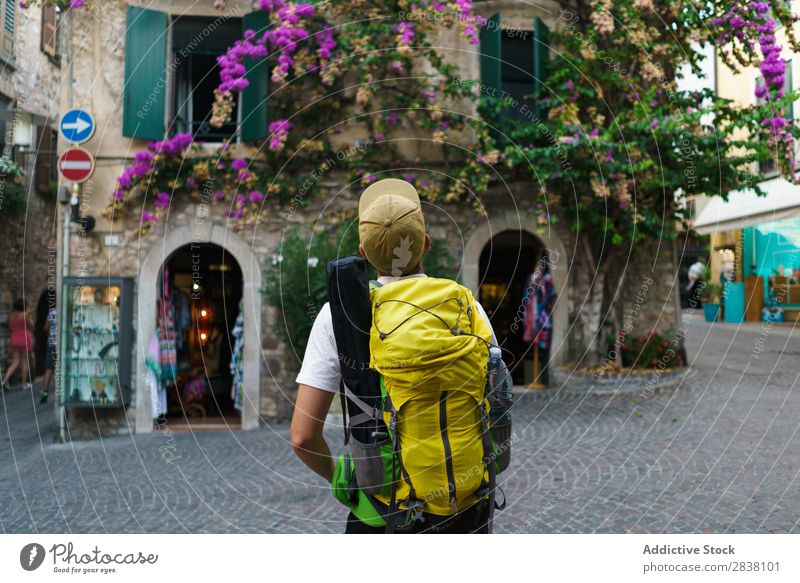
<point>181,317</point>
<point>166,342</point>
<point>237,385</point>
<point>539,295</point>
<point>152,376</point>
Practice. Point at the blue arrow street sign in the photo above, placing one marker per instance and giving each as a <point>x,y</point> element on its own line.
<point>77,126</point>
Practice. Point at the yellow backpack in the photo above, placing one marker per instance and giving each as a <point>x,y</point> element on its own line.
<point>416,391</point>
<point>431,347</point>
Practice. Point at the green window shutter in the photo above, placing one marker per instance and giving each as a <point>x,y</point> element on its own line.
<point>541,54</point>
<point>491,57</point>
<point>7,31</point>
<point>145,73</point>
<point>254,97</point>
<point>788,87</point>
<point>10,12</point>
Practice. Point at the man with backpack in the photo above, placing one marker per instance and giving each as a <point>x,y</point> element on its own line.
<point>424,448</point>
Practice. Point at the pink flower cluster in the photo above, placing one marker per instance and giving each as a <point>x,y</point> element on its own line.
<point>232,71</point>
<point>278,132</point>
<point>405,32</point>
<point>292,25</point>
<point>469,20</point>
<point>326,43</point>
<point>283,37</point>
<point>72,4</point>
<point>172,147</point>
<point>254,197</point>
<point>145,163</point>
<point>745,22</point>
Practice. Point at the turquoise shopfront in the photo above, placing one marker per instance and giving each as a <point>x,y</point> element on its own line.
<point>764,282</point>
<point>771,250</point>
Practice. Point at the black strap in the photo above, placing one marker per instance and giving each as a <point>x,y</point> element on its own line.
<point>392,520</point>
<point>397,453</point>
<point>345,426</point>
<point>414,506</point>
<point>489,463</point>
<point>503,505</point>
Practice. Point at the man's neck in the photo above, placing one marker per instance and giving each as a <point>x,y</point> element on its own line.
<point>393,277</point>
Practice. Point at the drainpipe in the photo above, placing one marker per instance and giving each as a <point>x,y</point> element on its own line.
<point>64,246</point>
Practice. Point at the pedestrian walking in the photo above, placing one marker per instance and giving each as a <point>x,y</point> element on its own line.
<point>428,462</point>
<point>694,287</point>
<point>50,328</point>
<point>21,323</point>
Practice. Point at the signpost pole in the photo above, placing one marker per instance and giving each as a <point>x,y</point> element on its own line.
<point>64,247</point>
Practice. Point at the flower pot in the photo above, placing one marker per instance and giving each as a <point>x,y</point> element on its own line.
<point>711,311</point>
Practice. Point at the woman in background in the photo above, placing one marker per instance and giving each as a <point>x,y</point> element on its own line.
<point>21,323</point>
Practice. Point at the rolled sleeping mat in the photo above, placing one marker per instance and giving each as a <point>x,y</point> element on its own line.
<point>351,310</point>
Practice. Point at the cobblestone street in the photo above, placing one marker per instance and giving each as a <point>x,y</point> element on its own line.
<point>721,453</point>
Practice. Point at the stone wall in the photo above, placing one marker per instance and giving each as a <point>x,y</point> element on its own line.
<point>32,82</point>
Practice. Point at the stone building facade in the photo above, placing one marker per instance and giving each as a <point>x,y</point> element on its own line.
<point>30,85</point>
<point>268,364</point>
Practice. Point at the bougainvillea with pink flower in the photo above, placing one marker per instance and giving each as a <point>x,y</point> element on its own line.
<point>321,71</point>
<point>179,165</point>
<point>624,146</point>
<point>348,67</point>
<point>748,37</point>
<point>616,147</point>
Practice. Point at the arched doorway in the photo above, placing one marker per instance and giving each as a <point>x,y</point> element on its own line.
<point>557,256</point>
<point>153,260</point>
<point>197,311</point>
<point>506,262</point>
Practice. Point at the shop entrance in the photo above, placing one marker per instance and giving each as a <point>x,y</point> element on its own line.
<point>200,336</point>
<point>506,262</point>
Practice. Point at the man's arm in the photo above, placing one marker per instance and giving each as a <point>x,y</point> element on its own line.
<point>308,421</point>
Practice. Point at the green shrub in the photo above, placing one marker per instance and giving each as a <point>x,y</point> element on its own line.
<point>654,351</point>
<point>13,196</point>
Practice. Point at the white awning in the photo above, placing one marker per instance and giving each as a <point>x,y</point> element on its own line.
<point>744,208</point>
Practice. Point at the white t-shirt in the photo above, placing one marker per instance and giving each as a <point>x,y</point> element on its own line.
<point>320,367</point>
<point>697,270</point>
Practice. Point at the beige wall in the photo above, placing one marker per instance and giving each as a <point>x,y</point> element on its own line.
<point>99,78</point>
<point>32,81</point>
<point>31,78</point>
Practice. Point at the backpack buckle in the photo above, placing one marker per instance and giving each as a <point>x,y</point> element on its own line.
<point>414,512</point>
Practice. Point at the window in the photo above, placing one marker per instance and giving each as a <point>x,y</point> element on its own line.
<point>513,64</point>
<point>6,117</point>
<point>179,88</point>
<point>49,40</point>
<point>8,9</point>
<point>46,140</point>
<point>517,70</point>
<point>194,54</point>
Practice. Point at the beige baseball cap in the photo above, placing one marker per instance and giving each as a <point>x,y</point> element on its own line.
<point>391,226</point>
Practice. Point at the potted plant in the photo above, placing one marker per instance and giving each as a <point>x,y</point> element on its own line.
<point>710,294</point>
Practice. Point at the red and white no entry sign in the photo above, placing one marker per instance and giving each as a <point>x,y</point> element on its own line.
<point>76,165</point>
